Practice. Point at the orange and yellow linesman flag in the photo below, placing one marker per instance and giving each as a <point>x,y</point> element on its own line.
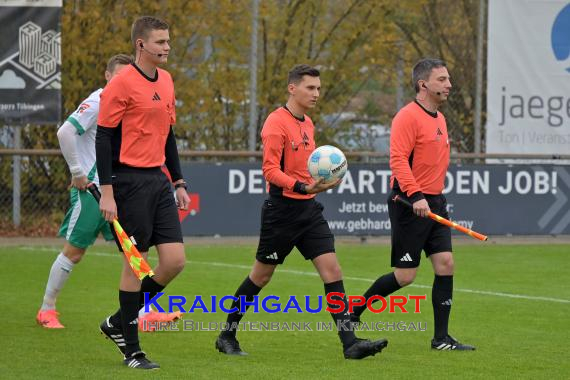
<point>138,264</point>
<point>445,222</point>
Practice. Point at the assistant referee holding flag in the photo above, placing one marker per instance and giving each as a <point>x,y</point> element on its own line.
<point>419,158</point>
<point>134,139</point>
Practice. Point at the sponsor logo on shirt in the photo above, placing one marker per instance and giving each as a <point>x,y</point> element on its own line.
<point>82,108</point>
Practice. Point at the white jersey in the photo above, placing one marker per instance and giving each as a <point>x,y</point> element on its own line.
<point>84,119</point>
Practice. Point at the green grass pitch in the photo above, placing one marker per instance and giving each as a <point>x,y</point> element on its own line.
<point>524,335</point>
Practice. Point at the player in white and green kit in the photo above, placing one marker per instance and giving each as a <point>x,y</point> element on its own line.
<point>83,221</point>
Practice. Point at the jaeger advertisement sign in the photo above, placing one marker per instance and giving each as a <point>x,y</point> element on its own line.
<point>528,77</point>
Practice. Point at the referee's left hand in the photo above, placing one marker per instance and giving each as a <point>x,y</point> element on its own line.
<point>182,198</point>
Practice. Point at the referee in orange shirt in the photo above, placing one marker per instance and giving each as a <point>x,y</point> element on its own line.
<point>134,139</point>
<point>291,217</point>
<point>419,158</point>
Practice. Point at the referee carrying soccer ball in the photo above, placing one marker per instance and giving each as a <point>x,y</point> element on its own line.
<point>291,217</point>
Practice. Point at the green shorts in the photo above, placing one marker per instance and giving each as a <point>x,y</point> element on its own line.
<point>84,221</point>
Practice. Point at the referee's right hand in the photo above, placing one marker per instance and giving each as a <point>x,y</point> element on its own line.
<point>421,208</point>
<point>107,203</point>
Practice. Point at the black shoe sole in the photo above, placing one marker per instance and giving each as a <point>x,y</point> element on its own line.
<point>456,349</point>
<point>139,367</point>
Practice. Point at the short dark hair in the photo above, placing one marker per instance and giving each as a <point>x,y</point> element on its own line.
<point>422,70</point>
<point>145,24</point>
<point>298,71</point>
<point>119,59</point>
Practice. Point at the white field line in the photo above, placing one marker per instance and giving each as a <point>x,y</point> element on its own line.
<point>315,274</point>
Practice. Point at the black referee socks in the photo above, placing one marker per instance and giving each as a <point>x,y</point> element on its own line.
<point>441,299</point>
<point>247,289</point>
<point>342,319</point>
<point>383,286</point>
<point>148,285</point>
<point>129,302</point>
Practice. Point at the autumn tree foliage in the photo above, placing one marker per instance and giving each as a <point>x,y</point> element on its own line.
<point>357,44</point>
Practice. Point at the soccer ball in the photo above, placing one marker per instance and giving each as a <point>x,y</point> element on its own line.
<point>327,162</point>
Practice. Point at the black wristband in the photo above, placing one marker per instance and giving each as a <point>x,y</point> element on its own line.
<point>181,184</point>
<point>300,188</point>
<point>418,195</point>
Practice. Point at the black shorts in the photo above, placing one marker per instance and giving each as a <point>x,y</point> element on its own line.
<point>411,234</point>
<point>146,207</point>
<point>288,223</point>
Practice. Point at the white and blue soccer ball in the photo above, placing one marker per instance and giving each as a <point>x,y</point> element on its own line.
<point>327,162</point>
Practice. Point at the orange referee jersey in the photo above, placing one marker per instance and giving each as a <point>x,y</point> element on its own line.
<point>287,144</point>
<point>143,108</point>
<point>419,150</point>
